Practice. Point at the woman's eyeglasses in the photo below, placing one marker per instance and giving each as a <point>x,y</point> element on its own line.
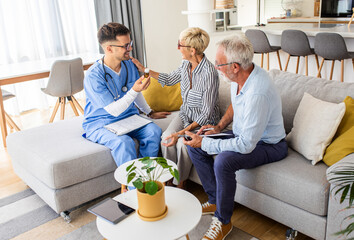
<point>126,46</point>
<point>179,45</point>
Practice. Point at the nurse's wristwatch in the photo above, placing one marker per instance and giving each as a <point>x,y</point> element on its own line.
<point>150,113</point>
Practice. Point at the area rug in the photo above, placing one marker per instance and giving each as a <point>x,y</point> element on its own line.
<point>26,216</point>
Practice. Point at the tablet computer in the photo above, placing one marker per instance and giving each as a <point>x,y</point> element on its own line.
<point>111,210</point>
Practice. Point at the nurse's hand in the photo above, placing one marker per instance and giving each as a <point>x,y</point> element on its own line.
<point>141,84</point>
<point>138,64</point>
<point>157,115</point>
<point>170,140</point>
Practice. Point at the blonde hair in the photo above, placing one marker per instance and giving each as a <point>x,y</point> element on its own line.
<point>196,38</point>
<point>238,49</point>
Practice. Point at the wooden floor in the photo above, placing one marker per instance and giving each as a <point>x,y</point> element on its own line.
<point>243,218</point>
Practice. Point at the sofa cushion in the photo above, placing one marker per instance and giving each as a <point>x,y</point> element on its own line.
<point>342,146</point>
<point>224,99</point>
<point>59,156</point>
<point>293,86</point>
<point>167,98</point>
<point>315,124</point>
<point>292,180</point>
<point>343,142</point>
<point>348,118</point>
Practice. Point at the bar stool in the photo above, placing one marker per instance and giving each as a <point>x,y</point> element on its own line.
<point>261,45</point>
<point>296,44</point>
<point>12,125</point>
<point>331,46</point>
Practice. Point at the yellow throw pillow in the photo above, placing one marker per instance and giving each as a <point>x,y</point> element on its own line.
<point>167,98</point>
<point>343,141</point>
<point>340,147</point>
<point>348,118</point>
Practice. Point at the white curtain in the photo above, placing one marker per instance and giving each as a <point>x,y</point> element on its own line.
<point>39,29</point>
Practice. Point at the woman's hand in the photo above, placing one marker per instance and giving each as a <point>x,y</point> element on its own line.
<point>173,137</point>
<point>141,84</point>
<point>157,115</point>
<point>138,64</point>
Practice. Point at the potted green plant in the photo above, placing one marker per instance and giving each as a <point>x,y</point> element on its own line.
<point>150,191</point>
<point>343,179</point>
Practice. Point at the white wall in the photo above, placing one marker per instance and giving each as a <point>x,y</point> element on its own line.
<point>163,22</point>
<point>246,12</point>
<point>273,8</point>
<point>308,7</point>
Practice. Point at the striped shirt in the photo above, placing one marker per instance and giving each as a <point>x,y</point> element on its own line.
<point>200,96</point>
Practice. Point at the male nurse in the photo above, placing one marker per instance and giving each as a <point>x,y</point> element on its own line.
<point>113,92</point>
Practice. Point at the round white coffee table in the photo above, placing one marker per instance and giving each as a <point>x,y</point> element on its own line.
<point>121,174</point>
<point>184,213</point>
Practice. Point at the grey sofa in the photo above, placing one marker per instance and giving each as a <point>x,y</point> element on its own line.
<point>66,170</point>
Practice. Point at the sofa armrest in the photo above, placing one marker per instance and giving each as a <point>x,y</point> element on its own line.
<point>337,212</point>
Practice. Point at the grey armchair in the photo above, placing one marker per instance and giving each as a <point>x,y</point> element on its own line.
<point>65,79</point>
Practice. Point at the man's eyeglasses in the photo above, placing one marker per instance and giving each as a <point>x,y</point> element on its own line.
<point>179,45</point>
<point>126,46</point>
<point>220,65</point>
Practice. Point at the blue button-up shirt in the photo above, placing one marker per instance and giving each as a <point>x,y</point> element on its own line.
<point>257,116</point>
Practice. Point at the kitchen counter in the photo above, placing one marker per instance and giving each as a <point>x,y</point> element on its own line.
<point>311,29</point>
<point>308,20</point>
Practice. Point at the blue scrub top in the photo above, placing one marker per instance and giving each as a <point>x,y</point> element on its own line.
<point>98,95</point>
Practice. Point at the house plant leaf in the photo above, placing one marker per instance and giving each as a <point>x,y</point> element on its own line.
<point>151,187</point>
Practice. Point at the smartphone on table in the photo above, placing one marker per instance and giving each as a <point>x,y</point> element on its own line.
<point>111,210</point>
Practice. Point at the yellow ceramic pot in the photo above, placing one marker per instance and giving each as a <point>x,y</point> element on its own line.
<point>152,207</point>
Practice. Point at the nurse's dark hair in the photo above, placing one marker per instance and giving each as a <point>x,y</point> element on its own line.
<point>109,32</point>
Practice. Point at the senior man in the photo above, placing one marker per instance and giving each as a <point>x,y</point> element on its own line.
<point>257,135</point>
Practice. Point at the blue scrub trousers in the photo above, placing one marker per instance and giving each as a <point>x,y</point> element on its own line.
<point>123,147</point>
<point>218,176</point>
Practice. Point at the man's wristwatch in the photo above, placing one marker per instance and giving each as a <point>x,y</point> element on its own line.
<point>150,113</point>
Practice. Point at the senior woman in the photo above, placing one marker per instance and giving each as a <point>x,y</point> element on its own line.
<point>200,96</point>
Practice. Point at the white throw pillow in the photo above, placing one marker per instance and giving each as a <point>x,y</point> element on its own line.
<point>315,124</point>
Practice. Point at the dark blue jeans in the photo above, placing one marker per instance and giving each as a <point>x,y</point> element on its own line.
<point>218,176</point>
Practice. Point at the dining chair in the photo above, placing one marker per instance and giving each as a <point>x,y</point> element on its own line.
<point>12,125</point>
<point>331,46</point>
<point>296,44</point>
<point>65,79</point>
<point>261,45</point>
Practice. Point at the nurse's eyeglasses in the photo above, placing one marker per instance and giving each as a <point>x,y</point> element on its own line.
<point>126,46</point>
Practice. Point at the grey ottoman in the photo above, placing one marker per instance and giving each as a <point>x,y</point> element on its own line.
<point>63,168</point>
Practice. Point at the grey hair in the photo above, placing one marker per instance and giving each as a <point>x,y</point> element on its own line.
<point>238,49</point>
